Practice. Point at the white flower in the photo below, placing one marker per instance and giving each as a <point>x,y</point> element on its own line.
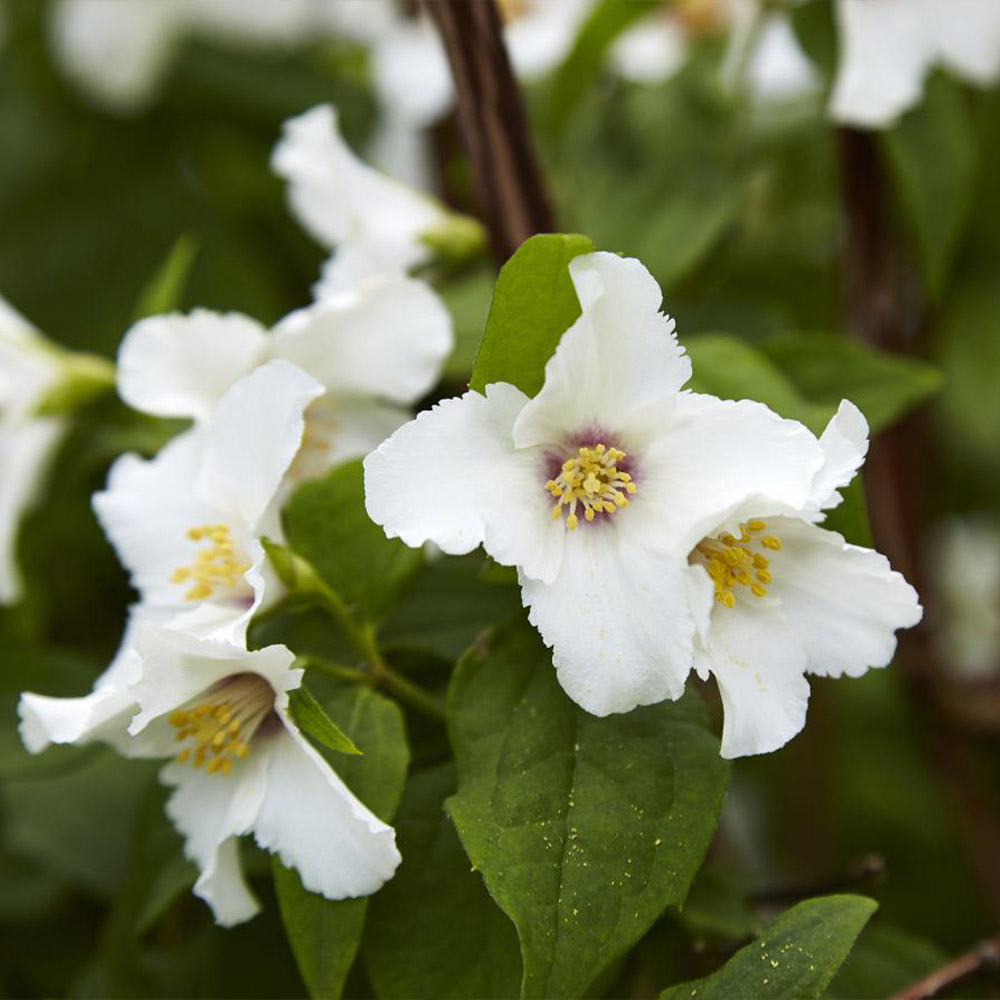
<point>187,524</point>
<point>763,50</point>
<point>966,572</point>
<point>241,765</point>
<point>596,489</point>
<point>29,367</point>
<point>889,46</point>
<point>780,597</point>
<point>376,350</point>
<point>375,224</point>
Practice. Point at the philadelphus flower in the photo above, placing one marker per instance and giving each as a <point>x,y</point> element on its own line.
<point>889,46</point>
<point>119,51</point>
<point>781,597</point>
<point>240,765</point>
<point>187,523</point>
<point>375,224</point>
<point>375,350</point>
<point>597,489</point>
<point>774,68</point>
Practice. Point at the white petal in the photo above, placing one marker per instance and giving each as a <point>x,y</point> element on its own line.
<point>412,75</point>
<point>759,664</point>
<point>778,69</point>
<point>177,667</point>
<point>314,823</point>
<point>710,458</point>
<point>844,444</point>
<point>254,23</point>
<point>844,602</point>
<point>616,618</point>
<point>210,811</point>
<point>403,152</point>
<point>180,366</point>
<point>343,202</point>
<point>968,37</point>
<point>387,339</point>
<point>543,35</point>
<point>117,52</point>
<point>26,451</point>
<point>618,357</point>
<point>254,435</point>
<point>453,476</point>
<point>651,51</point>
<point>886,49</point>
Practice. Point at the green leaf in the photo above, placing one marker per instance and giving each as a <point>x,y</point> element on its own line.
<point>325,935</point>
<point>796,956</point>
<point>165,290</point>
<point>326,523</point>
<point>586,59</point>
<point>884,961</point>
<point>534,303</point>
<point>310,717</point>
<point>826,369</point>
<point>462,945</point>
<point>731,369</point>
<point>585,829</point>
<point>933,155</point>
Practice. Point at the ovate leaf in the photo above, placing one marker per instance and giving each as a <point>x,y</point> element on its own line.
<point>533,304</point>
<point>165,290</point>
<point>796,956</point>
<point>312,719</point>
<point>325,935</point>
<point>462,945</point>
<point>326,523</point>
<point>585,829</point>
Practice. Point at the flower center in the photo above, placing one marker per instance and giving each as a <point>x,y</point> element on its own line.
<point>737,562</point>
<point>214,567</point>
<point>218,729</point>
<point>592,481</point>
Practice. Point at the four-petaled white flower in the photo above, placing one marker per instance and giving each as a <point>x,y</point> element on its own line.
<point>597,489</point>
<point>374,224</point>
<point>187,523</point>
<point>240,765</point>
<point>781,597</point>
<point>29,367</point>
<point>376,350</point>
<point>889,46</point>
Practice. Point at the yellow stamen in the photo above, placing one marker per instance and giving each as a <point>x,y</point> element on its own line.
<point>215,566</point>
<point>732,562</point>
<point>223,724</point>
<point>592,481</point>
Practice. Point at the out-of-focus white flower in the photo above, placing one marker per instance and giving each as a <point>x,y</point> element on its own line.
<point>763,56</point>
<point>889,46</point>
<point>240,764</point>
<point>966,574</point>
<point>374,224</point>
<point>781,597</point>
<point>375,350</point>
<point>119,51</point>
<point>187,523</point>
<point>31,370</point>
<point>596,489</point>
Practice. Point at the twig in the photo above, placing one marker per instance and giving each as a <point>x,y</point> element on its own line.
<point>896,483</point>
<point>985,957</point>
<point>508,183</point>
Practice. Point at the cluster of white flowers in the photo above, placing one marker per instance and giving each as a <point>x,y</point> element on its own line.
<point>267,410</point>
<point>654,529</point>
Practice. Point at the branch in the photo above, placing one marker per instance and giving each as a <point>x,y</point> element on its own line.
<point>985,957</point>
<point>508,183</point>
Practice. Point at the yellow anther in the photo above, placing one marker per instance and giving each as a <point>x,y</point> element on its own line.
<point>218,730</point>
<point>214,567</point>
<point>728,561</point>
<point>591,480</point>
